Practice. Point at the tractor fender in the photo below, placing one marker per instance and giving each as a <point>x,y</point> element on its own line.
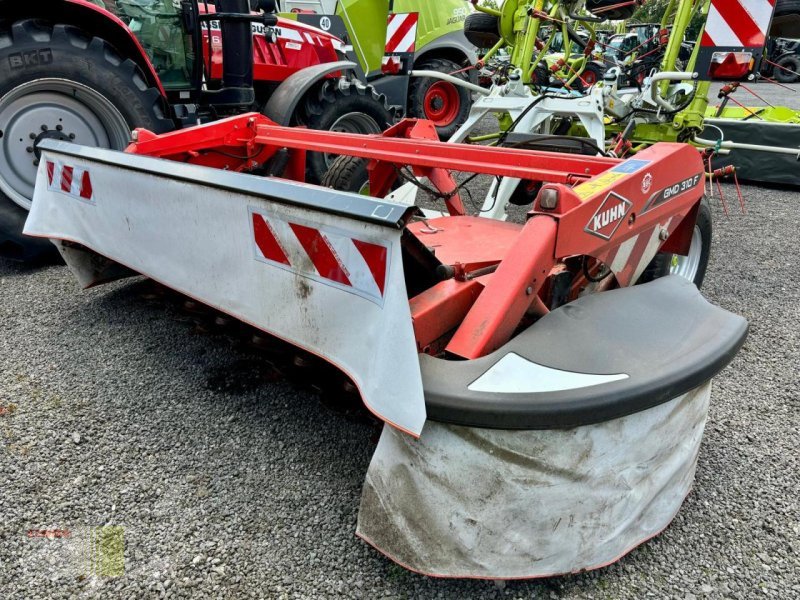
<point>283,102</point>
<point>93,19</point>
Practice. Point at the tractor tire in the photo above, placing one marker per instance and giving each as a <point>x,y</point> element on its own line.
<point>58,81</point>
<point>342,105</point>
<point>482,30</point>
<point>786,19</point>
<point>442,102</point>
<point>692,267</point>
<point>788,61</point>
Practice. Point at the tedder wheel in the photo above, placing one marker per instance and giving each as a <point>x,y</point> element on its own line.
<point>591,75</point>
<point>78,89</point>
<point>348,174</point>
<point>693,266</point>
<point>482,30</point>
<point>442,102</point>
<point>342,105</point>
<point>790,62</point>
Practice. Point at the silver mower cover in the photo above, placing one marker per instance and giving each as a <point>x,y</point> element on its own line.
<point>500,504</point>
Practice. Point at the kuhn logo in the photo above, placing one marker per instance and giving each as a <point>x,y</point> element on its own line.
<point>647,183</point>
<point>609,216</point>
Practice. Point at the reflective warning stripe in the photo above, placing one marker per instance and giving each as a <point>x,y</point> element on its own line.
<point>631,258</point>
<point>70,180</point>
<point>401,33</point>
<point>738,23</point>
<point>331,257</point>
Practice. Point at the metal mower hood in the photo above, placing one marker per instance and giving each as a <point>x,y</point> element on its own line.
<point>318,268</point>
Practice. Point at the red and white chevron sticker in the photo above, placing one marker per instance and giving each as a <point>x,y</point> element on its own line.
<point>70,180</point>
<point>738,23</point>
<point>401,33</point>
<point>629,260</point>
<point>330,257</point>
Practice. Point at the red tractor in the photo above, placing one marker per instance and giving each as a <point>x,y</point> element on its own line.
<point>90,71</point>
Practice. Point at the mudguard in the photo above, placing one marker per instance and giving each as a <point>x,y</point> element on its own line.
<point>319,268</point>
<point>455,40</point>
<point>284,100</point>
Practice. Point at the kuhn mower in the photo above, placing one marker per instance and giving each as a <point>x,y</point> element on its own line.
<point>543,413</point>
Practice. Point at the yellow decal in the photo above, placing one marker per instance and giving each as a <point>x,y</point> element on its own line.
<point>598,184</point>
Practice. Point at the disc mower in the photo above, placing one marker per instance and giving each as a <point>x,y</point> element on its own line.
<point>543,413</point>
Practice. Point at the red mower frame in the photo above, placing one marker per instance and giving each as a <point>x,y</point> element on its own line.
<point>597,222</point>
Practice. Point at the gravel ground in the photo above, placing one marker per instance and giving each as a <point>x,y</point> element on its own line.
<point>118,410</point>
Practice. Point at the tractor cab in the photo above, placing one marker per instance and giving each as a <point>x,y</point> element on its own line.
<point>161,28</point>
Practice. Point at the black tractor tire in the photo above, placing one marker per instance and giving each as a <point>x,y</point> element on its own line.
<point>42,64</point>
<point>786,19</point>
<point>444,103</point>
<point>788,61</point>
<point>664,263</point>
<point>482,30</point>
<point>342,105</point>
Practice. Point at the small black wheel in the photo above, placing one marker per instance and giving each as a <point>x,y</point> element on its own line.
<point>442,102</point>
<point>692,266</point>
<point>70,86</point>
<point>344,105</point>
<point>348,174</point>
<point>482,30</point>
<point>790,62</point>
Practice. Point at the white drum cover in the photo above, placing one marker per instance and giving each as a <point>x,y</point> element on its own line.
<point>465,502</point>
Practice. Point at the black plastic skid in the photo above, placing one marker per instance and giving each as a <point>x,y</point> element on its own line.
<point>663,335</point>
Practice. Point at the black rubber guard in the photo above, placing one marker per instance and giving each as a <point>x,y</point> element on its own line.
<point>664,335</point>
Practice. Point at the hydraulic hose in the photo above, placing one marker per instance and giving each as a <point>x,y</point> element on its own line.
<point>450,79</point>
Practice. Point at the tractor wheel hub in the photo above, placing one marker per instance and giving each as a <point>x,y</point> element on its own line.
<point>51,109</point>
